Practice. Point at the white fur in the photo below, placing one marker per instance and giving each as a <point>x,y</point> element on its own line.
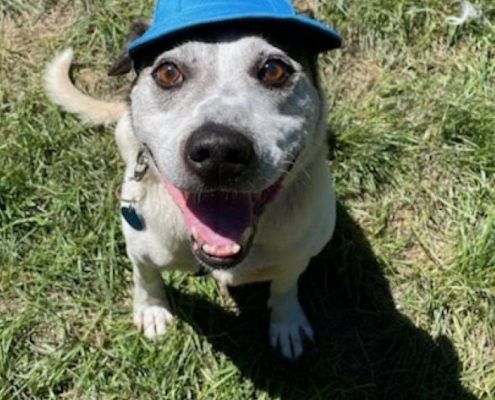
<point>294,227</point>
<point>219,88</point>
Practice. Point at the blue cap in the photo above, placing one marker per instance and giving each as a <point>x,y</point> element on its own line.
<point>174,17</point>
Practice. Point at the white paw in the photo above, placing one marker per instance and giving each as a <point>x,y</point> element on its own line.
<point>288,331</point>
<point>152,320</point>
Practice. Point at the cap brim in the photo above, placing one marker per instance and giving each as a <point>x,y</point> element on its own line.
<point>316,36</point>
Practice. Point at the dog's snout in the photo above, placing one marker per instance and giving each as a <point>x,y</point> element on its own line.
<point>218,154</point>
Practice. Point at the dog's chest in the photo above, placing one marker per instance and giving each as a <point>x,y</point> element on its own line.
<point>163,242</point>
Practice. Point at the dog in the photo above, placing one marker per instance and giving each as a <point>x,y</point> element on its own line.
<point>224,142</point>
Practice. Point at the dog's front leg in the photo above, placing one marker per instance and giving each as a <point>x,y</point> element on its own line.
<point>151,309</point>
<point>288,323</point>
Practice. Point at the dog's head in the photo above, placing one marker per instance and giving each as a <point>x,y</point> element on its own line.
<point>229,119</point>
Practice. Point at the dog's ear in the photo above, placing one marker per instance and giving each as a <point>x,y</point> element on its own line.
<point>123,64</point>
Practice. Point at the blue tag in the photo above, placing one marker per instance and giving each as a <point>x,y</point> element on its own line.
<point>132,218</point>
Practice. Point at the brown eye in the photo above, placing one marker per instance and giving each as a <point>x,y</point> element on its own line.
<point>168,75</point>
<point>275,73</point>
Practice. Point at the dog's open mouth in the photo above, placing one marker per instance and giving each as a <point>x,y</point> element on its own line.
<point>222,224</point>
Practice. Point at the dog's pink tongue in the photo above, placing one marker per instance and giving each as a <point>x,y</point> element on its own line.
<point>220,219</point>
<point>216,220</point>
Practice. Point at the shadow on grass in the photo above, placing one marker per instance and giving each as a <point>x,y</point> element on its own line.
<point>365,348</point>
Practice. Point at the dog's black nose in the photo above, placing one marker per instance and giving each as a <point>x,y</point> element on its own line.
<point>218,154</point>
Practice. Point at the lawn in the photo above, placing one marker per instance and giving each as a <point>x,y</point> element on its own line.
<point>403,298</point>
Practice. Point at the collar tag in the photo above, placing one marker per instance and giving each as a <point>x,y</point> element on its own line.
<point>133,191</point>
<point>132,217</point>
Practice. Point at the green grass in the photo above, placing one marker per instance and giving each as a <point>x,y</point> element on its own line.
<point>403,299</point>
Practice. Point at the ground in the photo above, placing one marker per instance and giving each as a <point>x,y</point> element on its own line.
<point>402,300</point>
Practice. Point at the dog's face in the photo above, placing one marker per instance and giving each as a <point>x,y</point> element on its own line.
<point>225,122</point>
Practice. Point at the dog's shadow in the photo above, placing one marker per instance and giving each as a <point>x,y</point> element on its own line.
<point>365,348</point>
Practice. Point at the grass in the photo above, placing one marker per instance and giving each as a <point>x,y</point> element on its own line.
<point>403,299</point>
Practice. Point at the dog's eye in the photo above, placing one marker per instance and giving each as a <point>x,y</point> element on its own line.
<point>168,75</point>
<point>274,73</point>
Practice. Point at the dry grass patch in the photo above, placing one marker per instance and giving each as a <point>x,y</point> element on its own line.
<point>24,38</point>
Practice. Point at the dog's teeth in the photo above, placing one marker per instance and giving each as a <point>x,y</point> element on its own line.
<point>211,250</point>
<point>221,251</point>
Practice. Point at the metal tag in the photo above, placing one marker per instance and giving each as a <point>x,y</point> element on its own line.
<point>142,166</point>
<point>132,217</point>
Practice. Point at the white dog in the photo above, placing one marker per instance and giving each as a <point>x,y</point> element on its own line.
<point>224,139</point>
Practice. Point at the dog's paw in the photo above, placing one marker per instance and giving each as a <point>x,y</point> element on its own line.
<point>152,320</point>
<point>289,330</point>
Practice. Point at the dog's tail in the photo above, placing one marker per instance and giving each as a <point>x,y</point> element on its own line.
<point>62,91</point>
